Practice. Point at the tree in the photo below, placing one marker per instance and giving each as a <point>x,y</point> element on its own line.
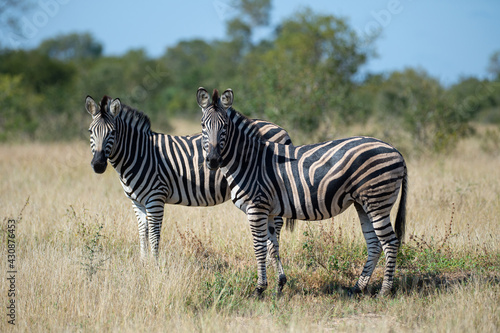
<point>239,29</point>
<point>254,12</point>
<point>10,12</point>
<point>416,103</point>
<point>37,70</point>
<point>494,65</point>
<point>478,98</point>
<point>71,47</point>
<point>303,78</point>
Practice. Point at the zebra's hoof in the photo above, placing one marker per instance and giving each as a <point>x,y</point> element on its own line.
<point>384,293</point>
<point>281,284</point>
<point>257,293</point>
<point>354,292</point>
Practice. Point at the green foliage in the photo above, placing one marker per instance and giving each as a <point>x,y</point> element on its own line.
<point>256,12</point>
<point>19,120</point>
<point>479,99</point>
<point>305,77</point>
<point>38,71</point>
<point>424,110</point>
<point>71,47</point>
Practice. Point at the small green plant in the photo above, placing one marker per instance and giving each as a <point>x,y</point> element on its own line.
<point>92,254</point>
<point>218,291</point>
<point>90,236</point>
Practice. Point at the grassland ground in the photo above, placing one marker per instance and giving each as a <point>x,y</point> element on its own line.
<point>78,269</point>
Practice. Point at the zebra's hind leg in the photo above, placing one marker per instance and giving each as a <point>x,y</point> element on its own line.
<point>140,213</point>
<point>382,227</point>
<point>374,249</point>
<point>390,245</point>
<point>155,210</point>
<point>273,256</point>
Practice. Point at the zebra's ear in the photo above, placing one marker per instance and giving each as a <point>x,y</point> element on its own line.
<point>202,97</point>
<point>227,99</point>
<point>91,106</point>
<point>115,107</point>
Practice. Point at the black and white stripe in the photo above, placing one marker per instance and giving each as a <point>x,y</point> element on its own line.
<point>157,169</point>
<point>311,182</point>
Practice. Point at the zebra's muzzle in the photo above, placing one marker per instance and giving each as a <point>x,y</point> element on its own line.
<point>213,158</point>
<point>99,162</point>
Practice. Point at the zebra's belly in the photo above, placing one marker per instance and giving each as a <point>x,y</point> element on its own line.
<point>313,211</point>
<point>196,200</point>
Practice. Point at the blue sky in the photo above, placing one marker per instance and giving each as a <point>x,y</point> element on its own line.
<point>449,39</point>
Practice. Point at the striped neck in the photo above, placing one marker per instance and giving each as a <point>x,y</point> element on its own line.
<point>132,126</point>
<point>244,142</point>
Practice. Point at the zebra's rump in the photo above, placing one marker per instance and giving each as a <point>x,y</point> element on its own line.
<point>315,182</point>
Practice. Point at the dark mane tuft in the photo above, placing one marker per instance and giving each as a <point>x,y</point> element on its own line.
<point>135,118</point>
<point>215,97</point>
<point>104,102</point>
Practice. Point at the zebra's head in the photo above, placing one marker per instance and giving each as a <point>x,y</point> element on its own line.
<point>102,130</point>
<point>214,123</point>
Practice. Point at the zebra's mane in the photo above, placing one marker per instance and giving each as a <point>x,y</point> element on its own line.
<point>255,130</point>
<point>135,118</point>
<point>129,115</point>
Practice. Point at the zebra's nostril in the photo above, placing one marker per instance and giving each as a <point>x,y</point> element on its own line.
<point>213,163</point>
<point>99,162</point>
<point>99,167</point>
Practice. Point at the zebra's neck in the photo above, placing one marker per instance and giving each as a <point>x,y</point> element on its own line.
<point>133,130</point>
<point>245,146</point>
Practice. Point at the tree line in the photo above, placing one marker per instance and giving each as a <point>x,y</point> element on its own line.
<point>306,77</point>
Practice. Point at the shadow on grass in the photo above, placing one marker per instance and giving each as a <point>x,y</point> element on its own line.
<point>426,284</point>
<point>405,283</point>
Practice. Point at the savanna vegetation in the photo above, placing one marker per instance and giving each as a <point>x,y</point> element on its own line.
<point>77,250</point>
<point>308,77</point>
<point>78,266</point>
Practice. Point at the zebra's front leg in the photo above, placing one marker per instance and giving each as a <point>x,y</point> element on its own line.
<point>258,220</point>
<point>142,221</point>
<point>273,256</point>
<point>155,217</point>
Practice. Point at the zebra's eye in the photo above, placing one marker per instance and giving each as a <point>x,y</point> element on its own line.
<point>113,132</point>
<point>203,126</point>
<point>90,131</point>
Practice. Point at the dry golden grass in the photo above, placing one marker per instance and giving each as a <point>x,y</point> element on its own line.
<point>207,265</point>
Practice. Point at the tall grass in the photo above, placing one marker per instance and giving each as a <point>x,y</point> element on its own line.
<point>447,277</point>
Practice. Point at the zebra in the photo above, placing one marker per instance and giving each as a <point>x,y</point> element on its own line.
<point>310,182</point>
<point>157,169</point>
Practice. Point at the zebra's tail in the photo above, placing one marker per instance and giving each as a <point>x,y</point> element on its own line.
<point>400,224</point>
<point>290,224</point>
